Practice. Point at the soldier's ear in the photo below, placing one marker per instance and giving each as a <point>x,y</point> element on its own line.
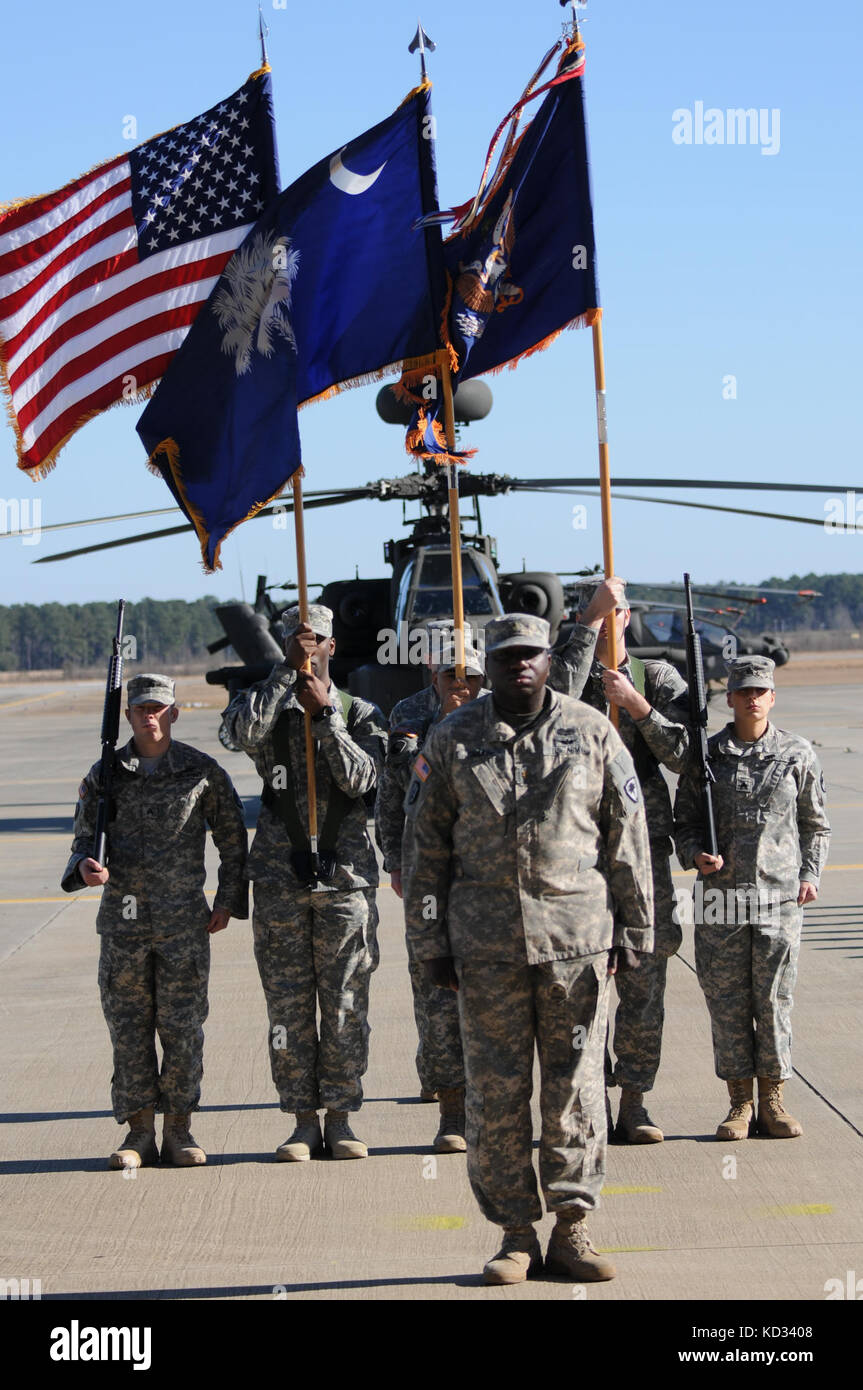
<point>128,715</point>
<point>728,699</point>
<point>332,646</point>
<point>175,713</point>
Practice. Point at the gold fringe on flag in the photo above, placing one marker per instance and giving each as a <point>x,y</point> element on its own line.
<point>171,451</point>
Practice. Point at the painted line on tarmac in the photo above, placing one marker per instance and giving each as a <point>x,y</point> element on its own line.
<point>29,699</point>
<point>67,899</point>
<point>800,1209</point>
<point>828,869</point>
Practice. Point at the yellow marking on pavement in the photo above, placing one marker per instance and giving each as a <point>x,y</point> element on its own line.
<point>613,1191</point>
<point>801,1209</point>
<point>28,699</point>
<point>828,869</point>
<point>67,898</point>
<point>431,1223</point>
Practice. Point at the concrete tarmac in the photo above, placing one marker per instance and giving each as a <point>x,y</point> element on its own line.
<point>687,1219</point>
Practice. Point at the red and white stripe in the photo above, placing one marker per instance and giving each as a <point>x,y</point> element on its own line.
<point>83,323</point>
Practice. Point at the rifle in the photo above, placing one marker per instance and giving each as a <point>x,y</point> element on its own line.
<point>110,734</point>
<point>698,716</point>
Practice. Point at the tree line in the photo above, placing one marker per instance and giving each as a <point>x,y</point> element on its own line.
<point>50,636</point>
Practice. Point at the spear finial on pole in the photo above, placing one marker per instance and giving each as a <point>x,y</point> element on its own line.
<point>422,42</point>
<point>574,5</point>
<point>263,30</point>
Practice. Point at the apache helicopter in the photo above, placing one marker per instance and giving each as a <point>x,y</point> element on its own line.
<point>377,621</point>
<point>417,595</point>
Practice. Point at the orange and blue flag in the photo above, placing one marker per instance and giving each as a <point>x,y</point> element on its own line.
<point>521,262</point>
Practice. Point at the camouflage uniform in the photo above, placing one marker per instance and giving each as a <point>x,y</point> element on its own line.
<point>662,737</point>
<point>153,917</point>
<point>439,1055</point>
<point>526,858</point>
<point>772,832</point>
<point>321,942</point>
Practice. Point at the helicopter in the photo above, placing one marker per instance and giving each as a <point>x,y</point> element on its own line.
<point>383,625</point>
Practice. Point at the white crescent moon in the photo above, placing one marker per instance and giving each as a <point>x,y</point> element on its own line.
<point>347,181</point>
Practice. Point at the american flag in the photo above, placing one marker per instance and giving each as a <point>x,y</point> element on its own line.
<point>100,281</point>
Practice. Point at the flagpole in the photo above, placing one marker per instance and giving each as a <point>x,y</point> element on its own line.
<point>604,467</point>
<point>303,604</point>
<point>454,519</point>
<point>263,29</point>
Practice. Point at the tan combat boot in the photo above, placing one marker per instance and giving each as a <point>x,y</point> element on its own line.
<point>739,1123</point>
<point>178,1145</point>
<point>138,1149</point>
<point>340,1138</point>
<point>517,1259</point>
<point>773,1118</point>
<point>305,1140</point>
<point>570,1252</point>
<point>634,1125</point>
<point>450,1136</point>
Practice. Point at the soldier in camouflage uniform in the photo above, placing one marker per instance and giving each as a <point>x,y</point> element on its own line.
<point>153,919</point>
<point>653,707</point>
<point>315,941</point>
<point>526,863</point>
<point>772,834</point>
<point>439,1055</point>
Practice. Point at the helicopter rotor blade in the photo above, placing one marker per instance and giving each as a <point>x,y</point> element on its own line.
<point>358,495</point>
<point>334,493</point>
<point>699,506</point>
<point>525,484</point>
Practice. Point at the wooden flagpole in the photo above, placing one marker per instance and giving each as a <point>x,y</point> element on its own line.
<point>454,520</point>
<point>303,603</point>
<point>605,497</point>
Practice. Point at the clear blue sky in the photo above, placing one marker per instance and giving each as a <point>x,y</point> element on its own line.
<point>714,260</point>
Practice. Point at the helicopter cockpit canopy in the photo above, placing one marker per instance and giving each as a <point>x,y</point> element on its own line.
<point>425,587</point>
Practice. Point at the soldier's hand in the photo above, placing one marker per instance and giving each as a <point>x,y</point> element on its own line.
<point>92,873</point>
<point>620,691</point>
<point>606,599</point>
<point>219,918</point>
<point>300,646</point>
<point>457,696</point>
<point>623,958</point>
<point>396,881</point>
<point>441,972</point>
<point>311,692</point>
<point>808,893</point>
<point>709,863</point>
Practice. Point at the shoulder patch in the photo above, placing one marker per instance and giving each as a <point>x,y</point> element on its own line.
<point>631,789</point>
<point>822,784</point>
<point>82,790</point>
<point>422,768</point>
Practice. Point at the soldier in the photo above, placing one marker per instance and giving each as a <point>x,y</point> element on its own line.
<point>153,919</point>
<point>439,1056</point>
<point>526,863</point>
<point>654,717</point>
<point>772,833</point>
<point>315,940</point>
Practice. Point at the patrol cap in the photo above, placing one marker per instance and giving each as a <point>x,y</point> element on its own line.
<point>150,689</point>
<point>585,588</point>
<point>320,620</point>
<point>751,671</point>
<point>444,657</point>
<point>517,630</point>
